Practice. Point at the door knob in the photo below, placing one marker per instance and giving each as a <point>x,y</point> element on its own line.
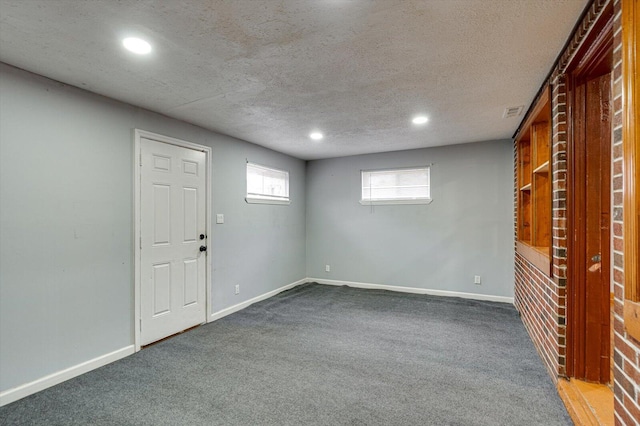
<point>596,258</point>
<point>203,248</point>
<point>202,236</point>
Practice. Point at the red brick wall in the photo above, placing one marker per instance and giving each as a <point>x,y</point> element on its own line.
<point>538,299</point>
<point>626,353</point>
<point>541,299</point>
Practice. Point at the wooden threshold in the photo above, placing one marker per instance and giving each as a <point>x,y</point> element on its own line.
<point>170,336</point>
<point>588,404</point>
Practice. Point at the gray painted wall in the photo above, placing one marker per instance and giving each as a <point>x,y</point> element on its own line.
<point>467,230</point>
<point>66,209</point>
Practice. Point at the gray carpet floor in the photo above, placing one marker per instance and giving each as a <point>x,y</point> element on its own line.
<point>321,355</point>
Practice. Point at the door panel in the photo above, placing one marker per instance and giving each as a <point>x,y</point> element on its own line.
<point>161,209</point>
<point>172,217</point>
<point>190,281</point>
<point>161,289</point>
<point>190,217</point>
<point>579,272</point>
<point>592,135</point>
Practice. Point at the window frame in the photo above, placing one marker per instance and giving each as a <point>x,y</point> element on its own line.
<point>396,201</point>
<point>266,198</point>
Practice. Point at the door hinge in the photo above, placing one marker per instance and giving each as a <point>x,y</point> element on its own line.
<point>140,324</point>
<point>140,243</point>
<point>140,159</point>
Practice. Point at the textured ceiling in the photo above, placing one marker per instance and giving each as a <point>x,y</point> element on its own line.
<point>270,71</point>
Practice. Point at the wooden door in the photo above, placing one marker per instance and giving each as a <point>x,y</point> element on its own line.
<point>173,228</point>
<point>591,233</point>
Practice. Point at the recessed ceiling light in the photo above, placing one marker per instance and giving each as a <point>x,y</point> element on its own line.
<point>316,136</point>
<point>420,119</point>
<point>136,45</point>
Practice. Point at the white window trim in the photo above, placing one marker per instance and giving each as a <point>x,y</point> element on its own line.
<point>390,202</point>
<point>256,200</point>
<point>405,201</point>
<point>266,199</point>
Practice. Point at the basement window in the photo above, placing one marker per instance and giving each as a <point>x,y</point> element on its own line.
<point>396,186</point>
<point>266,185</point>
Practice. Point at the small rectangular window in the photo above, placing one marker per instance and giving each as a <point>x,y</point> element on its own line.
<point>266,185</point>
<point>400,186</point>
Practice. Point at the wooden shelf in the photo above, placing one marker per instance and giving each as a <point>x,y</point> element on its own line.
<point>534,181</point>
<point>542,168</point>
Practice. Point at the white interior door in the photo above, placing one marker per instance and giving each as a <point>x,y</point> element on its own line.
<point>172,230</point>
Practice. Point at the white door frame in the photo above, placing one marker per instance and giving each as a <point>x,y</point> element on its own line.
<point>138,134</point>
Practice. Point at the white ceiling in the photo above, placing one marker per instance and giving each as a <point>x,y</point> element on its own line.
<point>271,71</point>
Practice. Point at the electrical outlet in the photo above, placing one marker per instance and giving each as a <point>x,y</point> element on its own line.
<point>476,280</point>
<point>237,288</point>
<point>327,268</point>
<point>219,218</point>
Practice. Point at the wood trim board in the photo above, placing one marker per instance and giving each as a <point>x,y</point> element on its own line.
<point>631,153</point>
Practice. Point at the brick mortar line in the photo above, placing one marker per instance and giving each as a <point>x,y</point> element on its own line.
<point>555,311</point>
<point>622,388</point>
<point>616,32</point>
<point>627,411</point>
<point>552,312</point>
<point>618,418</point>
<point>633,363</point>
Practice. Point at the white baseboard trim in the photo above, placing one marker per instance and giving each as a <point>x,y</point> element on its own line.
<point>240,306</point>
<point>14,394</point>
<point>474,296</point>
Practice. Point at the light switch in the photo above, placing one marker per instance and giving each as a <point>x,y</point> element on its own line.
<point>219,218</point>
